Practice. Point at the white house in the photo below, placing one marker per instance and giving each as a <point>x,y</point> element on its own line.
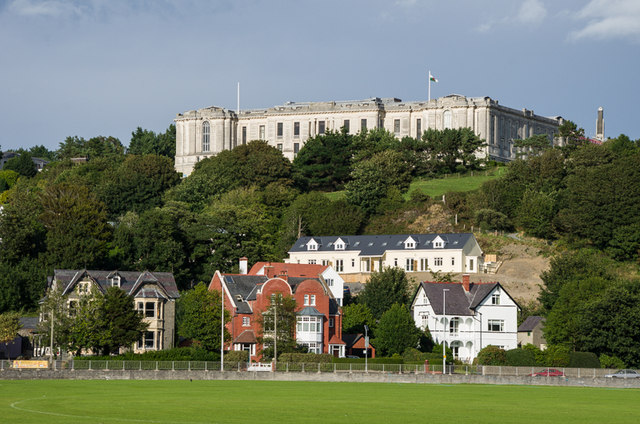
<point>454,252</point>
<point>467,316</point>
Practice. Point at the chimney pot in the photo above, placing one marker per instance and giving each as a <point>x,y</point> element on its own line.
<point>243,265</point>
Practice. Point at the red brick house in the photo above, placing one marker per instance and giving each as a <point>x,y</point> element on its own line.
<point>319,320</point>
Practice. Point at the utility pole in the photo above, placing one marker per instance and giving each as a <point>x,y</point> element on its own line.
<point>275,330</point>
<point>51,349</point>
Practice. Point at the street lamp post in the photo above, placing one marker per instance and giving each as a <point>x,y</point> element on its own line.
<point>366,347</point>
<point>444,330</point>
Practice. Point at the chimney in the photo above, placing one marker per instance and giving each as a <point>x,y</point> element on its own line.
<point>243,265</point>
<point>284,275</point>
<point>268,271</point>
<point>465,282</point>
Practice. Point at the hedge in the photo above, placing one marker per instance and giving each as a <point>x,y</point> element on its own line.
<point>175,354</point>
<point>583,360</point>
<point>305,358</point>
<point>520,358</point>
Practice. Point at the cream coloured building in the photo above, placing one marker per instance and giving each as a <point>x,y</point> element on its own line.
<point>453,252</point>
<point>204,132</point>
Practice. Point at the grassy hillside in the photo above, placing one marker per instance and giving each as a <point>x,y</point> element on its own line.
<point>436,187</point>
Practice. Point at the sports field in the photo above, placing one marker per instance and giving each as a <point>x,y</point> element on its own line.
<point>67,401</point>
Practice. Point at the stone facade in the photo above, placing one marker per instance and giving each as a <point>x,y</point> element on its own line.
<point>205,132</point>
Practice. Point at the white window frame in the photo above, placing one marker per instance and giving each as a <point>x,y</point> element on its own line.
<point>437,261</point>
<point>495,326</point>
<point>495,298</point>
<point>246,321</point>
<point>339,265</point>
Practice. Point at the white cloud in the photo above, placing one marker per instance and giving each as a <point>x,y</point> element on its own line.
<point>531,12</point>
<point>609,19</point>
<point>46,8</point>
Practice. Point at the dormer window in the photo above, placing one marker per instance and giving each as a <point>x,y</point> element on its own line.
<point>438,243</point>
<point>115,281</point>
<point>339,244</point>
<point>312,245</point>
<point>410,243</point>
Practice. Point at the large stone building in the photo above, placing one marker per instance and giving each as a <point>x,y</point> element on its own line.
<point>204,132</point>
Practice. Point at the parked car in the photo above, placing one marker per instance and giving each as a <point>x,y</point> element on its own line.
<point>548,372</point>
<point>624,374</point>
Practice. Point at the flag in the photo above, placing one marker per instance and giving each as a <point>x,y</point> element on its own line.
<point>432,78</point>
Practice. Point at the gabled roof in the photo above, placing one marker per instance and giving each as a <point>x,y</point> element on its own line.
<point>531,323</point>
<point>459,301</point>
<point>247,336</point>
<point>378,245</point>
<point>132,282</point>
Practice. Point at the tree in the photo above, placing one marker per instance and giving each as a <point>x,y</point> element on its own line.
<point>536,213</point>
<point>54,307</point>
<point>94,147</point>
<point>492,355</point>
<point>198,317</point>
<point>76,225</point>
<point>8,178</point>
<point>138,184</point>
<point>9,326</point>
<point>453,149</point>
<point>281,313</point>
<point>255,163</point>
<point>383,289</point>
<point>22,164</point>
<point>571,135</point>
<point>533,145</point>
<point>396,331</point>
<point>119,324</point>
<point>610,323</point>
<point>144,142</point>
<point>355,316</point>
<point>324,162</point>
<point>373,178</point>
<point>571,266</point>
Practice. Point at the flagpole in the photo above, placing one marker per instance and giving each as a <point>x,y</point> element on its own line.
<point>429,85</point>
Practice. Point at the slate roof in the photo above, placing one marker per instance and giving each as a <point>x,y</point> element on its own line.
<point>530,323</point>
<point>130,281</point>
<point>459,302</point>
<point>309,311</point>
<point>378,245</point>
<point>29,323</point>
<point>247,286</point>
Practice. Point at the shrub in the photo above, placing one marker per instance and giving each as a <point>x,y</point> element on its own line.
<point>175,354</point>
<point>492,355</point>
<point>556,356</point>
<point>607,361</point>
<point>236,356</point>
<point>538,354</point>
<point>306,358</point>
<point>583,360</point>
<point>520,358</point>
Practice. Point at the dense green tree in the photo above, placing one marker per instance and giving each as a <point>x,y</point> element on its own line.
<point>9,178</point>
<point>146,142</point>
<point>138,184</point>
<point>368,144</point>
<point>571,135</point>
<point>492,355</point>
<point>76,226</point>
<point>396,331</point>
<point>84,331</point>
<point>198,317</point>
<point>255,163</point>
<point>9,326</point>
<point>598,200</point>
<point>383,289</point>
<point>492,220</point>
<point>324,162</point>
<point>453,149</point>
<point>373,178</point>
<point>22,284</point>
<point>355,317</point>
<point>609,323</point>
<point>119,323</point>
<point>536,213</point>
<point>533,145</point>
<point>54,308</point>
<point>22,164</point>
<point>95,147</point>
<point>277,327</point>
<point>571,266</point>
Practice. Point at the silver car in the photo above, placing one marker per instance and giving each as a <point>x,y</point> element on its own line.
<point>624,374</point>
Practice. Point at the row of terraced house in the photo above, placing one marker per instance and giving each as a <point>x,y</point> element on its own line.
<point>467,316</point>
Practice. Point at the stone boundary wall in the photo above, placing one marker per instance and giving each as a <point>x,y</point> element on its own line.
<point>355,377</point>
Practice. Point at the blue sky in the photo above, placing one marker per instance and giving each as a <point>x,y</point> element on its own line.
<point>105,67</point>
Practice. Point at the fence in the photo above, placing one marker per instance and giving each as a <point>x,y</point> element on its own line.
<point>485,370</point>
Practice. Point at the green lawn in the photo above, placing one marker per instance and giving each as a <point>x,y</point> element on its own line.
<point>66,401</point>
<point>435,188</point>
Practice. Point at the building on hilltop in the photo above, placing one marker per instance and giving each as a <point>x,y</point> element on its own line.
<point>454,252</point>
<point>154,296</point>
<point>205,132</point>
<point>318,320</point>
<point>467,316</point>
